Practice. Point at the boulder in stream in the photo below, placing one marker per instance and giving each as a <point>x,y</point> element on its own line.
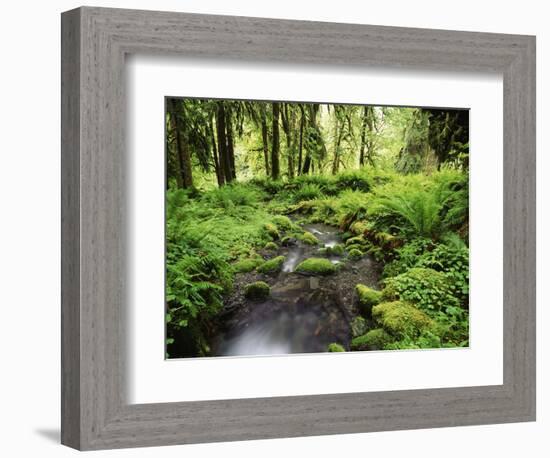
<point>316,266</point>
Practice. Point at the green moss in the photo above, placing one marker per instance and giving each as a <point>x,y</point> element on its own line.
<point>402,318</point>
<point>272,266</point>
<point>286,240</point>
<point>282,222</point>
<point>309,238</point>
<point>272,230</point>
<point>316,266</point>
<point>247,265</point>
<point>337,250</point>
<point>355,246</point>
<point>375,339</point>
<point>368,298</point>
<point>271,246</point>
<point>359,227</point>
<point>335,347</point>
<point>359,240</point>
<point>355,254</point>
<point>323,251</point>
<point>257,291</point>
<point>358,326</point>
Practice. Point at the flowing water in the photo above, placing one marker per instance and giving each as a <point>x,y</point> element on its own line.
<point>300,316</point>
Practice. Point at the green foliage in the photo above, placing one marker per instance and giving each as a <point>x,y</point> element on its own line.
<point>257,291</point>
<point>356,180</point>
<point>283,222</point>
<point>271,246</point>
<point>402,319</point>
<point>375,339</point>
<point>355,254</point>
<point>335,348</point>
<point>318,266</point>
<point>272,266</point>
<point>429,289</point>
<point>308,191</point>
<point>272,230</point>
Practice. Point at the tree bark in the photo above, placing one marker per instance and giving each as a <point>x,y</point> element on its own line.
<point>222,143</point>
<point>275,144</point>
<point>182,149</point>
<point>265,141</point>
<point>217,166</point>
<point>300,144</point>
<point>230,144</point>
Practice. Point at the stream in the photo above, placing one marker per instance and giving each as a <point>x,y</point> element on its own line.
<point>303,314</point>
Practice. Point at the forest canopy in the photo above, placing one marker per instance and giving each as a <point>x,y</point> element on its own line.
<point>298,227</point>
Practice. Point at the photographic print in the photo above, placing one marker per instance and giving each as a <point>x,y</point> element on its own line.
<point>299,227</point>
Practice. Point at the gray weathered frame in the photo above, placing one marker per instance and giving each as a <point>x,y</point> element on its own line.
<point>95,414</point>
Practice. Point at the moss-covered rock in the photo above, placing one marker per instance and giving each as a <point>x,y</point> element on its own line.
<point>368,298</point>
<point>316,266</point>
<point>359,240</point>
<point>323,251</point>
<point>257,291</point>
<point>309,238</point>
<point>359,227</point>
<point>375,339</point>
<point>271,246</point>
<point>288,241</point>
<point>335,347</point>
<point>272,230</point>
<point>358,326</point>
<point>282,222</point>
<point>402,318</point>
<point>355,254</point>
<point>272,266</point>
<point>247,265</point>
<point>336,250</point>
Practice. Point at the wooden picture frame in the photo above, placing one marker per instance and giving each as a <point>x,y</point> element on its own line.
<point>95,412</point>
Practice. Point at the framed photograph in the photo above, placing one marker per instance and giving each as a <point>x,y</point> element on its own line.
<point>278,228</point>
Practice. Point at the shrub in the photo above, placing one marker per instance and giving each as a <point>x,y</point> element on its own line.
<point>272,266</point>
<point>316,266</point>
<point>428,289</point>
<point>309,238</point>
<point>375,339</point>
<point>355,180</point>
<point>271,246</point>
<point>402,318</point>
<point>335,347</point>
<point>247,265</point>
<point>257,291</point>
<point>308,191</point>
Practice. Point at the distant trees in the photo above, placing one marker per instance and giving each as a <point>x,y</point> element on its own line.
<point>223,139</point>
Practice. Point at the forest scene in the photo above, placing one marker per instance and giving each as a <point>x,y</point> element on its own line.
<point>306,227</point>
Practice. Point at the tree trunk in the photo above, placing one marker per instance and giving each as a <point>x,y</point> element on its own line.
<point>217,166</point>
<point>182,150</point>
<point>230,144</point>
<point>172,145</point>
<point>265,141</point>
<point>363,137</point>
<point>222,143</point>
<point>338,131</point>
<point>300,144</point>
<point>275,145</point>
